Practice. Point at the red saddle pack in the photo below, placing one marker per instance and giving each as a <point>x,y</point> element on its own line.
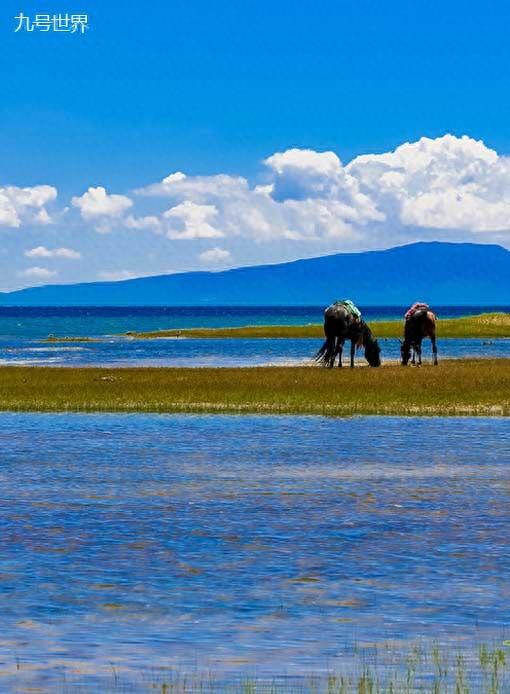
<point>418,306</point>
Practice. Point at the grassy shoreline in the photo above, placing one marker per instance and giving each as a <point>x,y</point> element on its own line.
<point>485,325</point>
<point>456,388</point>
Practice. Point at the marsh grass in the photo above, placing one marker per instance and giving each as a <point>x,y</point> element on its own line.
<point>381,670</point>
<point>456,387</point>
<point>485,325</point>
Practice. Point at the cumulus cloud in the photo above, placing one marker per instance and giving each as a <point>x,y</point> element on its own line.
<point>188,220</point>
<point>180,185</point>
<point>43,252</point>
<point>215,257</point>
<point>427,188</point>
<point>303,202</point>
<point>150,222</point>
<point>20,205</point>
<point>443,183</point>
<point>303,173</point>
<point>40,273</point>
<point>97,203</point>
<point>303,206</point>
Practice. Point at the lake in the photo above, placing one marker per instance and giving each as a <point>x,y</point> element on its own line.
<point>39,322</point>
<point>221,352</point>
<point>23,333</point>
<point>259,545</point>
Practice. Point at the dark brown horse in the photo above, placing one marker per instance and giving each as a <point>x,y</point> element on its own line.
<point>419,325</point>
<point>340,325</point>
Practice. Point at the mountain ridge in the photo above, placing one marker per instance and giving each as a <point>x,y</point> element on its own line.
<point>437,272</point>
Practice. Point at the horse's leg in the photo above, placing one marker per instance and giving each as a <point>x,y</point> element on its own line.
<point>340,349</point>
<point>434,349</point>
<point>353,350</point>
<point>418,349</point>
<point>329,357</point>
<point>413,358</point>
<point>332,352</point>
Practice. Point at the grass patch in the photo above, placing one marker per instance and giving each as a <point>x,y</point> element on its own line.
<point>485,325</point>
<point>456,387</point>
<point>53,338</point>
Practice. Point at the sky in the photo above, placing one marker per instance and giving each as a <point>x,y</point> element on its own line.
<point>192,135</point>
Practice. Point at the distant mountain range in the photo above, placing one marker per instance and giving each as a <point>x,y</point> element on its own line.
<point>439,273</point>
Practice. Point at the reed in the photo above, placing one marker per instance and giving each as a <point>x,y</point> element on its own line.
<point>434,669</point>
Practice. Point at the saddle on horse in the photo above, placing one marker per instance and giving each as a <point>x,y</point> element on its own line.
<point>351,308</point>
<point>417,308</point>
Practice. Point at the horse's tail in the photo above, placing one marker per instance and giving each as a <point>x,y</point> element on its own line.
<point>326,353</point>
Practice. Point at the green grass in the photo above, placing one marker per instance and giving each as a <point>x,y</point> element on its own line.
<point>455,387</point>
<point>485,325</point>
<point>54,338</point>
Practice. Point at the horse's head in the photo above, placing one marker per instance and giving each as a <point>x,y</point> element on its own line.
<point>405,352</point>
<point>373,353</point>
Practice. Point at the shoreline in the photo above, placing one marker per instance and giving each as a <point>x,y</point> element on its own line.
<point>484,326</point>
<point>457,388</point>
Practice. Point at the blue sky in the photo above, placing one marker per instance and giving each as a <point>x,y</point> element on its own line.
<point>217,89</point>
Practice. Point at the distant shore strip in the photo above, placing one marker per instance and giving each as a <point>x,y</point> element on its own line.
<point>483,326</point>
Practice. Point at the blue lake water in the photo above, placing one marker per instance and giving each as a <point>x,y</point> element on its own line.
<point>39,322</point>
<point>131,543</point>
<point>23,332</point>
<point>216,351</point>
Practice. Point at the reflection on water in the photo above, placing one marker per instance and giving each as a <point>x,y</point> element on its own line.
<point>217,351</point>
<point>274,544</point>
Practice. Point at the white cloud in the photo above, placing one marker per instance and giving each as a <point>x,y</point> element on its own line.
<point>43,252</point>
<point>215,257</point>
<point>22,205</point>
<point>303,173</point>
<point>430,187</point>
<point>446,183</point>
<point>96,203</point>
<point>303,202</point>
<point>309,197</point>
<point>150,222</point>
<point>40,273</point>
<point>189,220</point>
<point>199,187</point>
<point>174,178</point>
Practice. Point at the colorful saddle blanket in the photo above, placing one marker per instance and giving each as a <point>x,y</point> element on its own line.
<point>351,307</point>
<point>418,306</point>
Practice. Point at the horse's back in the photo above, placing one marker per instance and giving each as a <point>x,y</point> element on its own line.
<point>335,311</point>
<point>339,322</point>
<point>422,323</point>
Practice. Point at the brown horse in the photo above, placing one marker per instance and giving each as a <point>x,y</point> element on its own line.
<point>419,325</point>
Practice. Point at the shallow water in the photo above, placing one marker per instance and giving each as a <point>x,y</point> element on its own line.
<point>23,332</point>
<point>267,544</point>
<point>217,351</point>
<point>38,322</point>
